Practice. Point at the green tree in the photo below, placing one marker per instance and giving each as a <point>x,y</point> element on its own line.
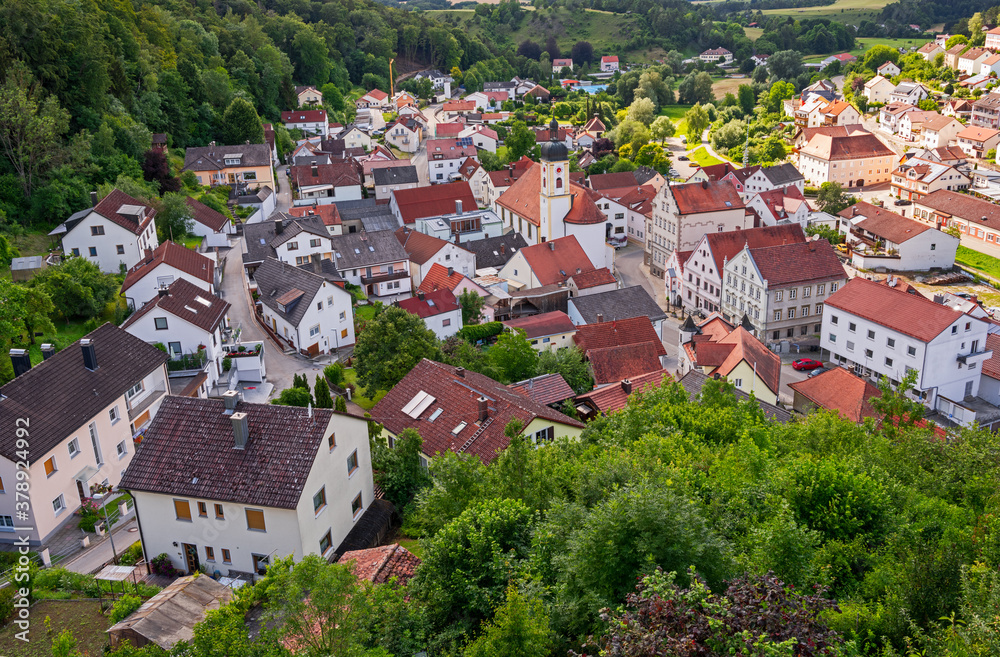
<point>513,356</point>
<point>896,410</point>
<point>293,397</point>
<point>928,105</point>
<point>642,110</point>
<point>785,65</point>
<point>393,342</point>
<point>520,140</point>
<point>332,97</point>
<point>241,123</point>
<point>831,235</point>
<point>321,391</point>
<point>697,122</point>
<point>340,405</point>
<point>174,217</point>
<point>832,198</point>
<point>77,288</point>
<point>879,54</point>
<point>398,470</point>
<point>662,128</point>
<point>472,307</point>
<point>38,309</point>
<point>7,250</point>
<point>520,626</point>
<point>746,98</point>
<point>570,364</point>
<point>955,40</point>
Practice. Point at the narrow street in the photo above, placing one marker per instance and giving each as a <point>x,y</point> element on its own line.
<point>284,199</point>
<point>419,159</point>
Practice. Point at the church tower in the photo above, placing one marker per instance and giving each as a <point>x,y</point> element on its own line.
<point>555,200</point>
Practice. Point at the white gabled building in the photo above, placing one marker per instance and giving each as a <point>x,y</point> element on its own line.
<point>439,309</point>
<point>879,89</point>
<point>296,481</point>
<point>310,121</point>
<point>117,231</point>
<point>880,238</point>
<point>875,330</point>
<point>168,263</point>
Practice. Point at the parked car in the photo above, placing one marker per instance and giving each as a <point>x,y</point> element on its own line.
<point>816,372</point>
<point>683,158</point>
<point>806,364</point>
<point>901,201</point>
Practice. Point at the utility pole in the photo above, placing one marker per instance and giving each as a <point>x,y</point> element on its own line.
<point>392,86</point>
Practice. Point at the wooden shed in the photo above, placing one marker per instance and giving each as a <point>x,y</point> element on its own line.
<point>170,615</point>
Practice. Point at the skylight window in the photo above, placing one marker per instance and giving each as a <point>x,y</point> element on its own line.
<point>457,430</point>
<point>420,402</point>
<point>202,301</point>
<point>436,414</point>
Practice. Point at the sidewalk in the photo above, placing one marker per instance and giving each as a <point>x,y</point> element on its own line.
<point>94,557</point>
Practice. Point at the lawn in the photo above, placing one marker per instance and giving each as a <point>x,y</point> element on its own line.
<point>703,158</point>
<point>65,335</point>
<point>81,617</point>
<point>753,33</point>
<point>350,376</point>
<point>727,86</point>
<point>676,115</point>
<point>366,312</point>
<point>978,261</point>
<point>29,244</point>
<point>841,11</point>
<point>411,544</point>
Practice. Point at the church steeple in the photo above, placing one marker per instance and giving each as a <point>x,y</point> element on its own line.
<point>555,201</point>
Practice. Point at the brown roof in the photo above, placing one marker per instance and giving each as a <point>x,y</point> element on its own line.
<point>188,302</point>
<point>908,314</point>
<point>718,171</point>
<point>991,367</point>
<point>885,223</point>
<point>633,330</point>
<point>449,149</point>
<point>379,565</point>
<point>974,133</point>
<point>339,175</point>
<point>594,278</point>
<point>60,395</point>
<point>557,260</point>
<point>327,212</point>
<point>522,199</point>
<point>789,264</point>
<point>745,347</point>
<point>187,260</point>
<point>826,147</point>
<point>419,246</point>
<point>724,246</point>
<point>603,181</point>
<point>545,389</point>
<point>929,47</point>
<point>614,397</point>
<point>708,196</point>
<point>206,216</point>
<point>938,122</point>
<point>459,106</point>
<point>839,390</point>
<point>437,278</point>
<point>113,202</point>
<point>457,428</point>
<point>543,324</point>
<point>188,451</point>
<point>963,206</point>
<point>434,201</point>
<point>612,364</point>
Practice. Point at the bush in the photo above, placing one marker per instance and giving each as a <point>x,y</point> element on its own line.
<point>476,332</point>
<point>124,607</point>
<point>227,364</point>
<point>132,555</point>
<point>6,604</point>
<point>161,565</point>
<point>334,373</point>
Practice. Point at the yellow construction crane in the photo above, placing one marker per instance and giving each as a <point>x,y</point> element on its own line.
<point>392,88</point>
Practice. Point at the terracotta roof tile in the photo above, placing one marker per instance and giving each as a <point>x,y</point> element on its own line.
<point>555,261</point>
<point>419,246</point>
<point>789,264</point>
<point>724,246</point>
<point>328,213</point>
<point>750,349</point>
<point>634,330</point>
<point>187,260</point>
<point>304,116</point>
<point>614,397</point>
<point>853,147</point>
<point>612,364</point>
<point>543,324</point>
<point>603,181</point>
<point>434,201</point>
<point>111,204</point>
<point>437,278</point>
<point>839,390</point>
<point>522,199</point>
<point>206,216</point>
<point>594,278</point>
<point>708,196</point>
<point>962,206</point>
<point>379,565</point>
<point>545,389</point>
<point>338,175</point>
<point>433,303</point>
<point>991,367</point>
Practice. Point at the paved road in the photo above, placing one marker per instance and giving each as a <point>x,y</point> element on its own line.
<point>419,159</point>
<point>99,553</point>
<point>284,200</point>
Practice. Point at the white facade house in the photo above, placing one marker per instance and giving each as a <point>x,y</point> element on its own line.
<point>482,137</point>
<point>80,409</point>
<point>879,89</point>
<point>445,157</point>
<point>871,329</point>
<point>609,63</point>
<point>940,131</point>
<point>325,183</point>
<point>168,263</point>
<point>424,251</point>
<point>404,135</point>
<point>439,309</point>
<point>888,69</point>
<point>910,93</point>
<point>918,177</point>
<point>717,55</point>
<point>188,322</point>
<point>296,482</point>
<point>303,308</point>
<point>376,261</point>
<point>115,232</point>
<point>355,137</point>
<point>309,121</point>
<point>880,238</point>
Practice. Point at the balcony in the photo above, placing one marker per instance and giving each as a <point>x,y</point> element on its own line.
<point>138,408</point>
<point>974,357</point>
<point>382,278</point>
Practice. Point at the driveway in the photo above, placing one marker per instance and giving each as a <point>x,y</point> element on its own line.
<point>284,200</point>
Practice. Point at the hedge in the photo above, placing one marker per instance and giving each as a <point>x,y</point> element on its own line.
<point>476,332</point>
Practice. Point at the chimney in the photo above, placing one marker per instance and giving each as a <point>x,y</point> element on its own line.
<point>163,291</point>
<point>279,225</point>
<point>458,206</point>
<point>552,246</point>
<point>627,386</point>
<point>704,184</point>
<point>600,318</point>
<point>317,263</point>
<point>93,199</point>
<point>451,271</point>
<point>716,376</point>
<point>420,296</point>
<point>315,170</point>
<point>503,249</point>
<point>460,372</point>
<point>484,408</point>
<point>48,350</point>
<point>21,361</point>
<point>89,354</point>
<point>241,430</point>
<point>230,397</point>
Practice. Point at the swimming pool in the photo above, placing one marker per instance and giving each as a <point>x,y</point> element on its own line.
<point>590,88</point>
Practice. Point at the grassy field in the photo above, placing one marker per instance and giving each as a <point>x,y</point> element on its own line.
<point>81,617</point>
<point>350,376</point>
<point>676,115</point>
<point>727,86</point>
<point>703,158</point>
<point>603,30</point>
<point>29,244</point>
<point>753,33</point>
<point>978,261</point>
<point>843,11</point>
<point>411,544</point>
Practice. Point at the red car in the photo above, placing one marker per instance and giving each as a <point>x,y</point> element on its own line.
<point>806,364</point>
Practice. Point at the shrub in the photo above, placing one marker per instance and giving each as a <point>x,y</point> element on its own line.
<point>227,364</point>
<point>334,373</point>
<point>162,565</point>
<point>476,332</point>
<point>6,604</point>
<point>124,608</point>
<point>132,555</point>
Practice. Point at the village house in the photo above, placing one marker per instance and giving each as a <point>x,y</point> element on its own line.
<point>978,220</point>
<point>464,412</point>
<point>297,481</point>
<point>781,289</point>
<point>294,240</point>
<point>970,60</point>
<point>356,138</point>
<point>918,177</point>
<point>308,95</point>
<point>209,224</point>
<point>411,204</point>
<point>444,156</point>
<point>716,347</point>
<point>620,349</point>
<point>325,183</point>
<point>682,214</point>
<point>856,160</point>
<point>113,234</point>
<point>612,305</point>
<point>424,251</point>
<point>977,142</point>
<point>959,108</point>
<point>188,321</point>
<point>609,63</point>
<point>310,122</point>
<point>106,387</point>
<point>836,390</point>
<point>839,112</point>
<point>908,92</point>
<point>550,263</point>
<point>559,64</point>
<point>392,178</point>
<point>376,99</point>
<point>549,331</point>
<point>717,55</point>
<point>888,69</point>
<point>440,311</point>
<point>376,261</point>
<point>986,111</point>
<point>911,124</point>
<point>889,116</point>
<point>951,55</point>
<point>405,135</point>
<point>880,238</point>
<point>940,131</point>
<point>993,39</point>
<point>878,90</point>
<point>230,165</point>
<point>159,268</point>
<point>930,50</point>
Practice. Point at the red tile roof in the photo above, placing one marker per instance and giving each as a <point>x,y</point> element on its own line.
<point>609,59</point>
<point>545,389</point>
<point>379,565</point>
<point>885,223</point>
<point>113,202</point>
<point>908,314</point>
<point>437,278</point>
<point>338,175</point>
<point>434,201</point>
<point>187,260</point>
<point>790,264</point>
<point>433,303</point>
<point>304,116</point>
<point>634,330</point>
<point>614,397</point>
<point>555,261</point>
<point>544,324</point>
<point>853,147</point>
<point>459,106</point>
<point>458,428</point>
<point>449,149</point>
<point>991,367</point>
<point>448,129</point>
<point>377,94</point>
<point>188,302</point>
<point>839,390</point>
<point>613,364</point>
<point>328,213</point>
<point>206,216</point>
<point>708,196</point>
<point>603,181</point>
<point>724,246</point>
<point>745,347</point>
<point>419,246</point>
<point>594,278</point>
<point>522,198</point>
